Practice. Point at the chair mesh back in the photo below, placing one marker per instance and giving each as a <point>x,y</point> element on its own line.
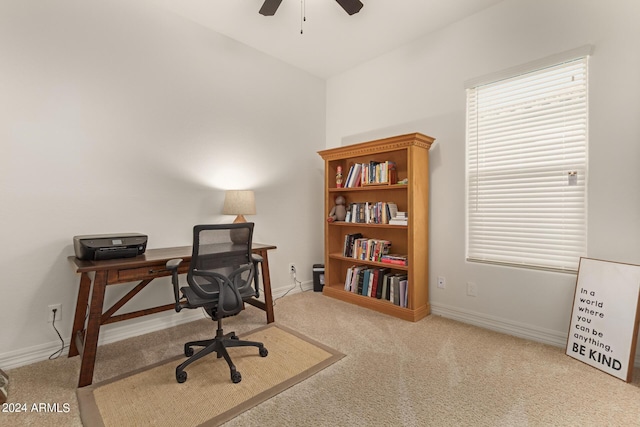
<point>222,248</point>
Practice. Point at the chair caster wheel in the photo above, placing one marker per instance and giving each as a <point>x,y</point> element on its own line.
<point>235,337</point>
<point>236,377</point>
<point>181,376</point>
<point>188,351</point>
<point>263,352</point>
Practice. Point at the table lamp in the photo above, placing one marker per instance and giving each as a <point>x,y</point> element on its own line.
<point>240,203</point>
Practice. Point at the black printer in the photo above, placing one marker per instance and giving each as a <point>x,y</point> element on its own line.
<point>109,246</point>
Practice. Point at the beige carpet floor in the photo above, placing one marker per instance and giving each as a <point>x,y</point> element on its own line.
<point>208,397</point>
<point>436,372</point>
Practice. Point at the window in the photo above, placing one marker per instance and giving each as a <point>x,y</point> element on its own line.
<point>527,167</point>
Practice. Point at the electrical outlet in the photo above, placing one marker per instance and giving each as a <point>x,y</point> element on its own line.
<point>441,282</point>
<point>58,313</point>
<point>292,268</point>
<point>472,289</point>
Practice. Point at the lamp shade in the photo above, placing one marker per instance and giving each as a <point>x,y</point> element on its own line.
<point>239,202</point>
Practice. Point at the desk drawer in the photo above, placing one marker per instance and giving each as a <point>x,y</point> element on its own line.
<point>142,273</point>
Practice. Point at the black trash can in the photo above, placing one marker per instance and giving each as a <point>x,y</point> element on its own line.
<point>318,277</point>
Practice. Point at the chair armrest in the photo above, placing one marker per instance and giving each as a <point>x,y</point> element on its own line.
<point>257,259</point>
<point>172,265</point>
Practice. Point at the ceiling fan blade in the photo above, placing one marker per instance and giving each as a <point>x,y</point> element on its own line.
<point>350,6</point>
<point>269,7</point>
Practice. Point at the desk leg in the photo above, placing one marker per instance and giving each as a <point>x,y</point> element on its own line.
<point>266,281</point>
<point>81,310</point>
<point>93,329</point>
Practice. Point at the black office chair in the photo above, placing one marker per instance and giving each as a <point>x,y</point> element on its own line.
<point>222,274</point>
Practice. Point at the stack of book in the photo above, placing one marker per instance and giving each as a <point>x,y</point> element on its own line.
<point>379,173</point>
<point>399,219</point>
<point>354,176</point>
<point>397,259</point>
<point>371,173</point>
<point>370,212</point>
<point>363,248</point>
<point>380,283</point>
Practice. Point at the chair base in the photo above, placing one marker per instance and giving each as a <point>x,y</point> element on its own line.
<point>219,345</point>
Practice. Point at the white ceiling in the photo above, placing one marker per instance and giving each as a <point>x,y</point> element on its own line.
<point>332,41</point>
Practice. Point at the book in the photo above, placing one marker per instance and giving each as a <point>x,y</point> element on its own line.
<point>354,279</point>
<point>359,248</point>
<point>360,281</point>
<point>386,285</point>
<point>393,209</point>
<point>365,282</point>
<point>398,221</point>
<point>394,259</point>
<point>348,178</point>
<point>349,240</point>
<point>391,176</point>
<point>403,285</point>
<point>385,282</point>
<point>373,283</point>
<point>400,218</point>
<point>379,281</point>
<point>347,279</point>
<point>395,287</point>
<point>355,178</point>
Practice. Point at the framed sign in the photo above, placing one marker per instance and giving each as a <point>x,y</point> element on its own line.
<point>604,319</point>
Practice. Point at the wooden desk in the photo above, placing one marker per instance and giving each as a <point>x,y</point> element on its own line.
<point>95,276</point>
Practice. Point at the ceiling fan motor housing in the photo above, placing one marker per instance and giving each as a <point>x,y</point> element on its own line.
<point>269,7</point>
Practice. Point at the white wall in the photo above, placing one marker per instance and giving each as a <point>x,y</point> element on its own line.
<point>420,87</point>
<point>121,117</point>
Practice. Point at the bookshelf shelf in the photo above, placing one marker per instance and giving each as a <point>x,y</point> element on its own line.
<point>350,224</point>
<point>340,257</point>
<point>410,155</point>
<point>369,187</point>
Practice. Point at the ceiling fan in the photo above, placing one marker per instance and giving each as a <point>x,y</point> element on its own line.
<point>269,7</point>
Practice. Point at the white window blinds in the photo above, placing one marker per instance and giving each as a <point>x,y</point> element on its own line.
<point>527,168</point>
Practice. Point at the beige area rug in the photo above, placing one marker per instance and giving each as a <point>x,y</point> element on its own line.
<point>152,396</point>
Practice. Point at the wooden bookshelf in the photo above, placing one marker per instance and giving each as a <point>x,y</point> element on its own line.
<point>410,153</point>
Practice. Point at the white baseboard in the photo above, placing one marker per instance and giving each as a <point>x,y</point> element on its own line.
<point>533,333</point>
<point>497,324</point>
<point>40,352</point>
<point>291,289</point>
